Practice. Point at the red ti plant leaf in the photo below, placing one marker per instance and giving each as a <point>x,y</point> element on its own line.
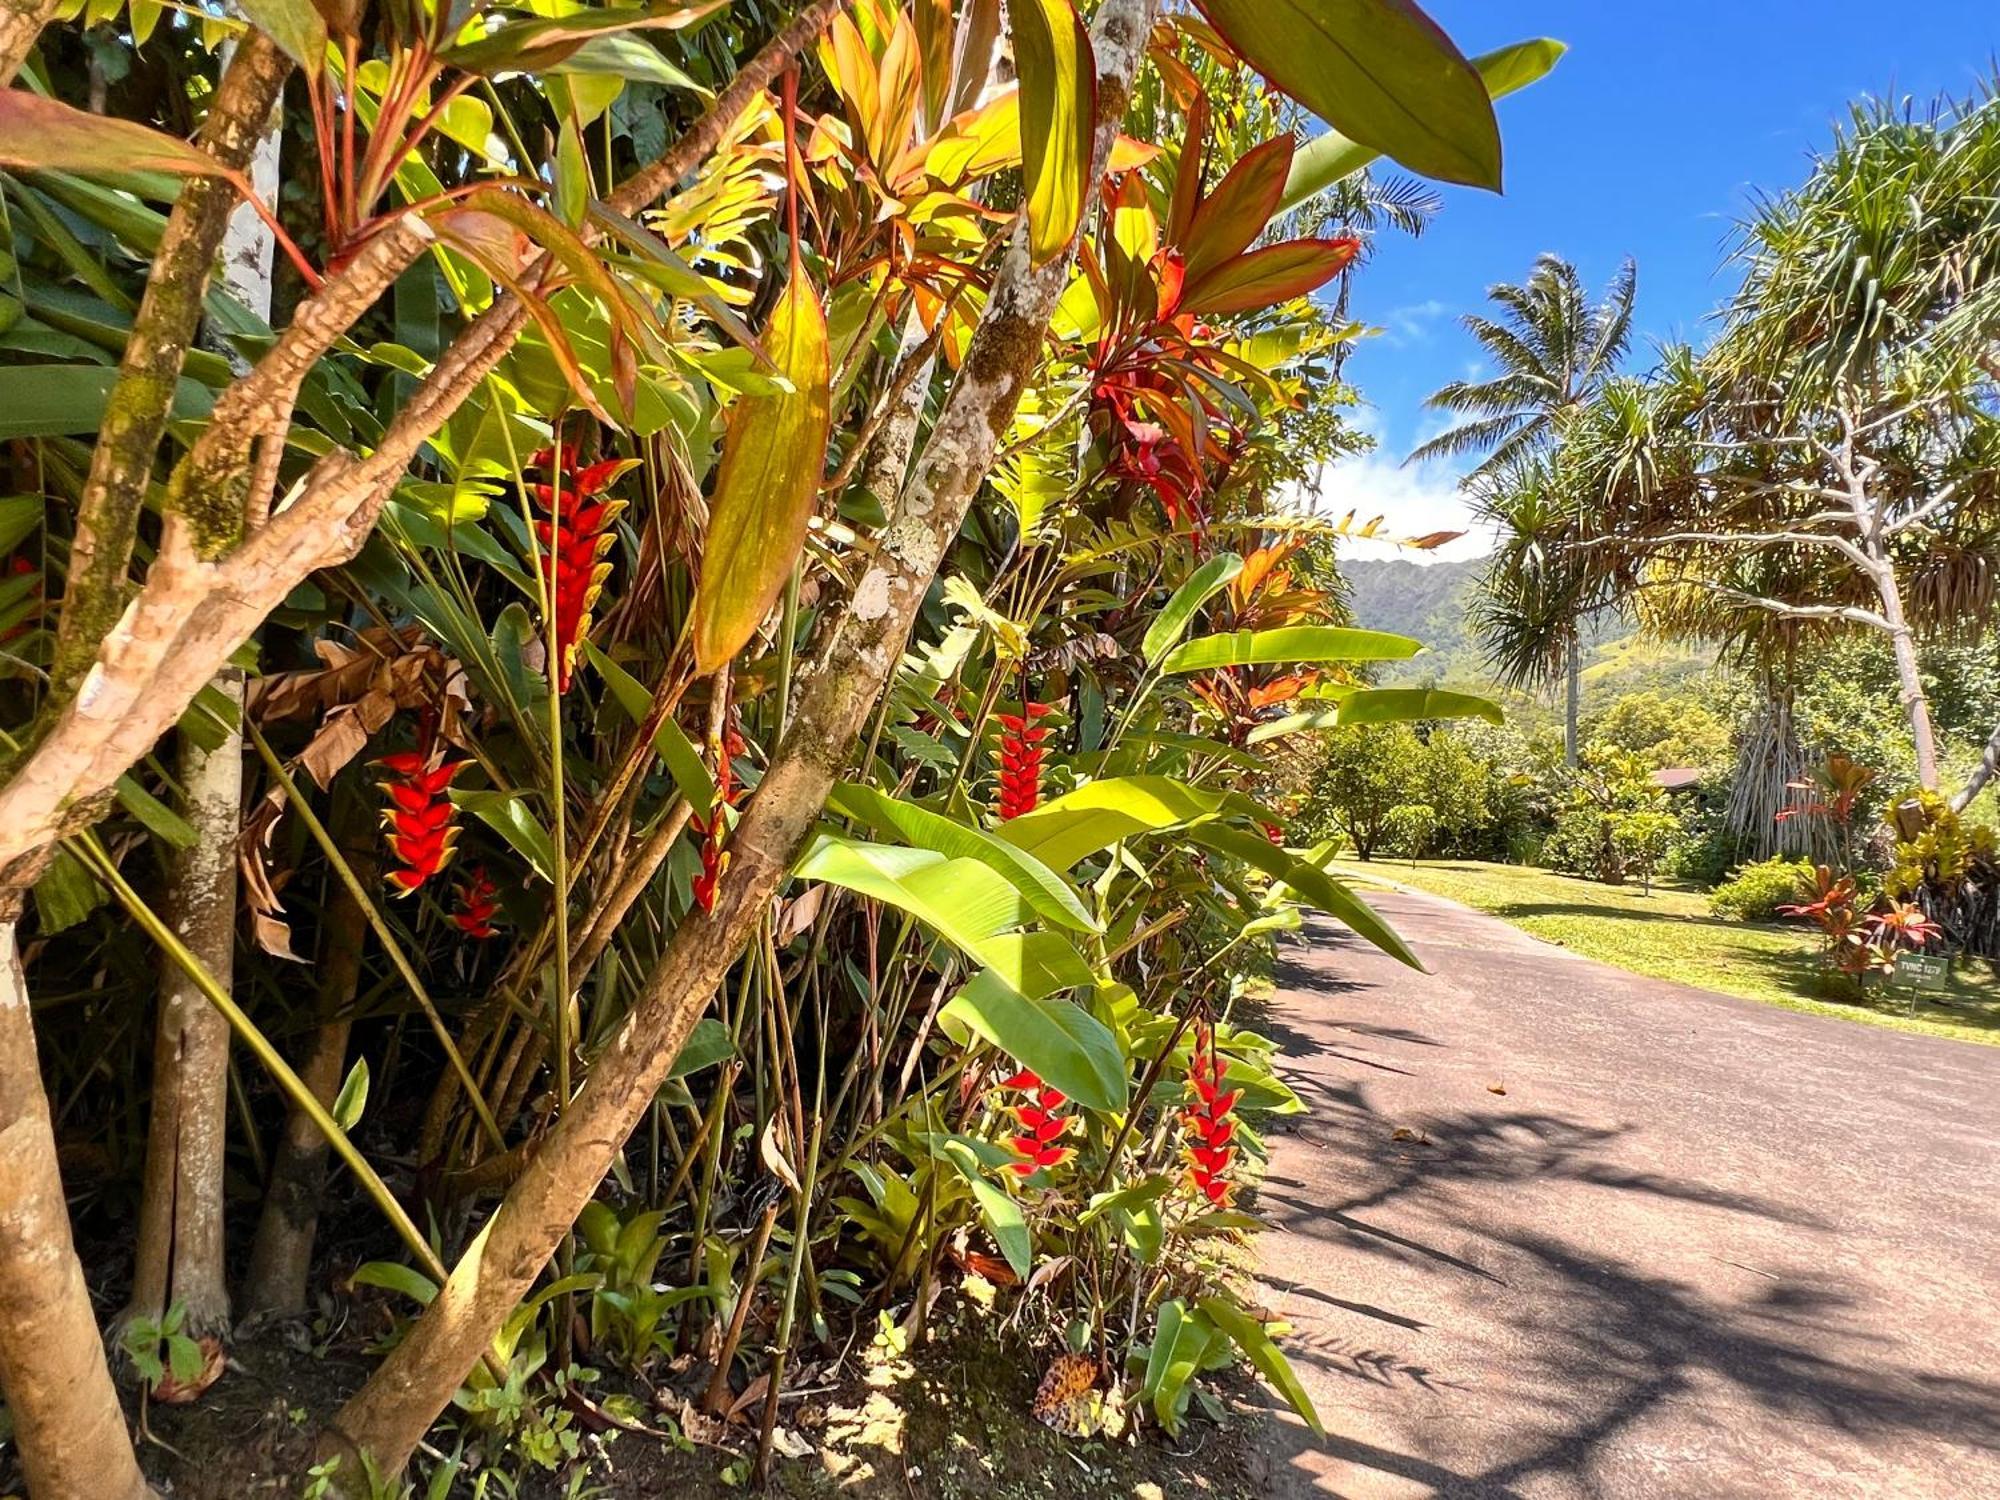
<point>1230,218</point>
<point>1264,278</point>
<point>46,135</point>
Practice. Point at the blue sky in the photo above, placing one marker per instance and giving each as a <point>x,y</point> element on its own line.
<point>1647,141</point>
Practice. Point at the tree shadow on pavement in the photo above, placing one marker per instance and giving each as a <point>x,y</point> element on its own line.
<point>1622,1346</point>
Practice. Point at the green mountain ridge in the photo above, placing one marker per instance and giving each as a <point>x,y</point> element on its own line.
<point>1432,602</point>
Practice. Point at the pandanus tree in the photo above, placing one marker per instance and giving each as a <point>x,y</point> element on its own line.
<point>1831,464</point>
<point>576,522</point>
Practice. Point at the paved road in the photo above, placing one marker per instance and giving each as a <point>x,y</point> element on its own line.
<point>1699,1249</point>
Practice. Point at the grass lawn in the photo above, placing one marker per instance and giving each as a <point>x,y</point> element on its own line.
<point>1671,935</point>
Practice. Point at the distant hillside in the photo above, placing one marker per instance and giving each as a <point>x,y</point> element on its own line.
<point>1433,602</point>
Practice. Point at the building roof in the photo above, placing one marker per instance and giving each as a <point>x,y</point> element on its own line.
<point>1677,778</point>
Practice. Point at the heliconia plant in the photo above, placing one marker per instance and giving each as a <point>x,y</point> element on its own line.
<point>917,364</point>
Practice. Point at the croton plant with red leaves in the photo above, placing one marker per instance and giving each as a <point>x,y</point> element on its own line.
<point>574,540</point>
<point>1040,1123</point>
<point>1161,357</point>
<point>420,819</point>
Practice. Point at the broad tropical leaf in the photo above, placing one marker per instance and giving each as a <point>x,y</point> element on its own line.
<point>1201,586</point>
<point>1308,883</point>
<point>1383,706</point>
<point>1250,1336</point>
<point>1058,114</point>
<point>1266,277</point>
<point>45,134</point>
<point>1100,813</point>
<point>1326,159</point>
<point>1066,1046</point>
<point>1235,212</point>
<point>1291,644</point>
<point>1004,1219</point>
<point>1380,71</point>
<point>772,455</point>
<point>1046,891</point>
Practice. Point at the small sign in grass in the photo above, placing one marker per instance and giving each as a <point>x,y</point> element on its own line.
<point>1921,971</point>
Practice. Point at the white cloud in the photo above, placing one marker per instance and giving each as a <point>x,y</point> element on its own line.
<point>1411,500</point>
<point>1411,324</point>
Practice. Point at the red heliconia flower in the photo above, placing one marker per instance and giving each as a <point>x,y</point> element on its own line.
<point>1042,1124</point>
<point>420,817</point>
<point>477,905</point>
<point>1208,1124</point>
<point>1021,760</point>
<point>715,858</point>
<point>574,541</point>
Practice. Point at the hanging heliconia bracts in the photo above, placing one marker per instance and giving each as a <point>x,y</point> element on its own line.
<point>1021,739</point>
<point>1208,1124</point>
<point>715,858</point>
<point>1042,1124</point>
<point>420,818</point>
<point>477,903</point>
<point>574,542</point>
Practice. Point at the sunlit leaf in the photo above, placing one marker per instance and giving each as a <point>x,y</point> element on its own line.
<point>1266,277</point>
<point>1066,1046</point>
<point>772,455</point>
<point>1288,645</point>
<point>1201,586</point>
<point>1380,71</point>
<point>1058,114</point>
<point>1326,159</point>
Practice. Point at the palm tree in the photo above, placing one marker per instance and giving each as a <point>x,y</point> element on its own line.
<point>1555,350</point>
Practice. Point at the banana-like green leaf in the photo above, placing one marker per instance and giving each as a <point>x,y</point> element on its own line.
<point>1309,883</point>
<point>1058,119</point>
<point>1046,891</point>
<point>1004,1220</point>
<point>69,400</point>
<point>1288,645</point>
<point>1100,813</point>
<point>1325,159</point>
<point>1199,587</point>
<point>1180,1339</point>
<point>1383,706</point>
<point>1066,1046</point>
<point>965,901</point>
<point>1249,1336</point>
<point>772,455</point>
<point>1381,71</point>
<point>506,813</point>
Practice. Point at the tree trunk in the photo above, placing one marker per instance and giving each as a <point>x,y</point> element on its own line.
<point>390,1414</point>
<point>67,1421</point>
<point>1903,640</point>
<point>1988,767</point>
<point>180,1248</point>
<point>1572,701</point>
<point>180,1251</point>
<point>21,23</point>
<point>281,1256</point>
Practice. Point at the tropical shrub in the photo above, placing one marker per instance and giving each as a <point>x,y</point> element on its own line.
<point>735,605</point>
<point>1756,892</point>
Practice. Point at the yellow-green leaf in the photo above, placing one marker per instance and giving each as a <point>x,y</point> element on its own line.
<point>772,454</point>
<point>1058,119</point>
